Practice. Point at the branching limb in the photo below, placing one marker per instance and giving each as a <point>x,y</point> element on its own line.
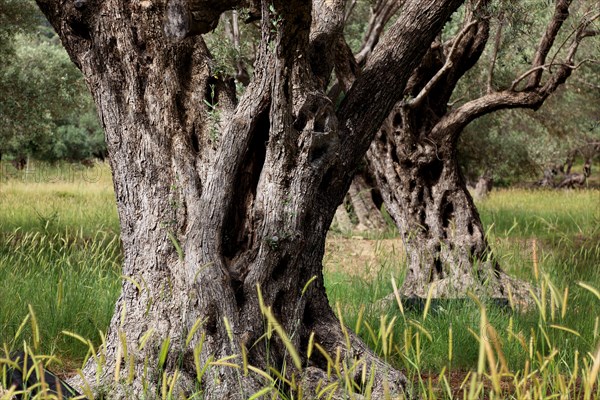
<point>347,65</point>
<point>515,83</point>
<point>535,93</point>
<point>442,71</point>
<point>561,12</point>
<point>462,52</point>
<point>326,29</point>
<point>349,9</point>
<point>383,11</point>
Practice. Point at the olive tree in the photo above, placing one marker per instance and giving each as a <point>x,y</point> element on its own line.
<point>217,195</point>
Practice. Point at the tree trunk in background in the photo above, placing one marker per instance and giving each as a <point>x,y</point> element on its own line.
<point>217,197</point>
<point>365,210</point>
<point>483,186</point>
<point>426,195</point>
<point>368,214</point>
<point>414,158</point>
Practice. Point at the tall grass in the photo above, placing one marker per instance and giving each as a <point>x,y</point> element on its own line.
<point>59,253</point>
<point>60,271</point>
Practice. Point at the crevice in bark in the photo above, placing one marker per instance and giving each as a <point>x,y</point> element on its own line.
<point>280,268</point>
<point>194,141</point>
<point>437,266</point>
<point>447,212</point>
<point>238,235</point>
<point>431,172</point>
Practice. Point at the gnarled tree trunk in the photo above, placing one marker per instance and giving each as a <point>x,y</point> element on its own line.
<point>426,194</point>
<point>216,196</point>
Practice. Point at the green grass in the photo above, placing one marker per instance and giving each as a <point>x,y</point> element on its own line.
<point>564,227</point>
<point>60,255</point>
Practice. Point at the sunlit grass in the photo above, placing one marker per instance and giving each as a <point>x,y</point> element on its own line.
<point>53,199</point>
<point>547,214</point>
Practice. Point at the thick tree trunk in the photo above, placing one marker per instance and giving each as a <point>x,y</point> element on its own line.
<point>217,198</point>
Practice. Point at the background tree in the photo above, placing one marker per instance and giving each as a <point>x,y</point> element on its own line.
<point>45,108</point>
<point>511,147</point>
<point>218,196</point>
<point>414,156</point>
<point>518,145</point>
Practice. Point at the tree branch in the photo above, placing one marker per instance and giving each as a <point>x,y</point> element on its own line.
<point>387,71</point>
<point>545,67</point>
<point>383,11</point>
<point>561,13</point>
<point>416,102</point>
<point>452,124</point>
<point>185,18</point>
<point>349,10</point>
<point>497,42</point>
<point>326,29</point>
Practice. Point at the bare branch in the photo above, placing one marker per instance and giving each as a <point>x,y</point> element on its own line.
<point>513,86</point>
<point>442,71</point>
<point>383,11</point>
<point>497,42</point>
<point>561,12</point>
<point>580,33</point>
<point>347,65</point>
<point>326,28</point>
<point>349,10</point>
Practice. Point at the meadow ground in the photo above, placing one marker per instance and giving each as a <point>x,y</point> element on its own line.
<point>60,272</point>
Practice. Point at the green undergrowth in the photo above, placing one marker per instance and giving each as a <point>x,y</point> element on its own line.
<point>59,253</point>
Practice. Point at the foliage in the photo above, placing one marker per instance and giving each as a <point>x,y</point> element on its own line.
<point>46,109</point>
<point>16,16</point>
<point>513,145</point>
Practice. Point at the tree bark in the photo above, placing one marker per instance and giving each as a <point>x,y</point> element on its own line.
<point>217,197</point>
<point>362,206</point>
<point>360,197</point>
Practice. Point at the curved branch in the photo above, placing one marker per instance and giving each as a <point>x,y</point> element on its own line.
<point>561,13</point>
<point>383,11</point>
<point>452,124</point>
<point>347,65</point>
<point>545,67</point>
<point>497,42</point>
<point>327,26</point>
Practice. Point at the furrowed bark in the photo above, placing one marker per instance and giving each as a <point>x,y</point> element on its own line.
<point>218,196</point>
